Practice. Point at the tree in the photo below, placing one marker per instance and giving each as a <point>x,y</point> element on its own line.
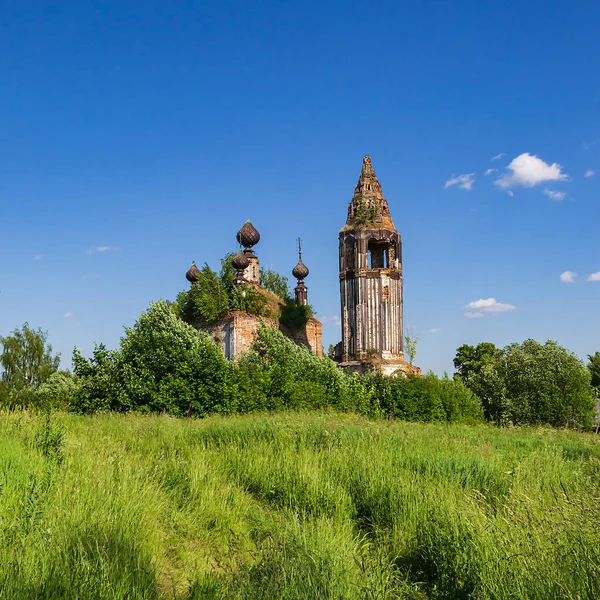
<point>274,282</point>
<point>206,301</point>
<point>469,360</point>
<point>533,383</point>
<point>594,369</point>
<point>97,380</point>
<point>27,358</point>
<point>411,342</point>
<point>165,364</point>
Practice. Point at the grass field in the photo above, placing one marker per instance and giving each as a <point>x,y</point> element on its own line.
<point>294,506</point>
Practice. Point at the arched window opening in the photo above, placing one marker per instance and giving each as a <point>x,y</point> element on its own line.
<point>378,255</point>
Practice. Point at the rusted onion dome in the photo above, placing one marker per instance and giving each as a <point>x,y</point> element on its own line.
<point>193,272</point>
<point>240,261</point>
<point>300,271</point>
<point>248,235</point>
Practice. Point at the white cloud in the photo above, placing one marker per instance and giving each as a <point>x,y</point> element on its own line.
<point>590,173</point>
<point>568,277</point>
<point>335,320</point>
<point>474,315</point>
<point>594,277</point>
<point>488,305</point>
<point>68,315</point>
<point>490,171</point>
<point>434,330</point>
<point>498,156</point>
<point>39,256</point>
<point>100,249</point>
<point>554,195</point>
<point>510,193</point>
<point>528,170</point>
<point>464,181</point>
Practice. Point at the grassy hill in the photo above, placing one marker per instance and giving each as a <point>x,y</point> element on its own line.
<point>294,506</point>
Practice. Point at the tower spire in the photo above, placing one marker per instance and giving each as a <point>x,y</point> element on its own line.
<point>368,207</point>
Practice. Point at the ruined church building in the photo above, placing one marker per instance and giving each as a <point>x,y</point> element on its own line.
<point>370,272</point>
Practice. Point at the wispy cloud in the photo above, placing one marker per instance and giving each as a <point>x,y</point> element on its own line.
<point>474,315</point>
<point>568,277</point>
<point>335,320</point>
<point>554,195</point>
<point>90,276</point>
<point>590,173</point>
<point>464,181</point>
<point>68,315</point>
<point>498,156</point>
<point>510,193</point>
<point>487,305</point>
<point>490,171</point>
<point>528,170</point>
<point>38,256</point>
<point>594,277</point>
<point>434,330</point>
<point>100,249</point>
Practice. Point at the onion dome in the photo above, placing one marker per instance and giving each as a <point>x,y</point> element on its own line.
<point>248,235</point>
<point>300,271</point>
<point>240,261</point>
<point>193,272</point>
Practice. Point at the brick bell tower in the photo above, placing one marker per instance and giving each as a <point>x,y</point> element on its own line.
<point>371,281</point>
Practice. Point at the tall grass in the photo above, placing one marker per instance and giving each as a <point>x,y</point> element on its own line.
<point>294,506</point>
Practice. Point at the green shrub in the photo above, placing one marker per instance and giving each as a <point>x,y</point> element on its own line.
<point>97,380</point>
<point>58,391</point>
<point>280,373</point>
<point>50,440</point>
<point>167,365</point>
<point>533,383</point>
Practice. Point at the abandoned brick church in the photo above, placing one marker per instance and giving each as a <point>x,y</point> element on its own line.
<point>370,272</point>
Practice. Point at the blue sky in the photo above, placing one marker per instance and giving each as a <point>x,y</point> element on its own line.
<point>137,136</point>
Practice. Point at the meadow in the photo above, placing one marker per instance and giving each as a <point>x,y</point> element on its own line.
<point>294,506</point>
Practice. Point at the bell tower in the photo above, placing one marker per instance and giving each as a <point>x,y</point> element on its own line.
<point>371,279</point>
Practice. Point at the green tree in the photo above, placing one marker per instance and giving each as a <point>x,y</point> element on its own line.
<point>167,365</point>
<point>207,301</point>
<point>27,358</point>
<point>274,282</point>
<point>58,391</point>
<point>97,380</point>
<point>594,369</point>
<point>533,383</point>
<point>411,341</point>
<point>469,360</point>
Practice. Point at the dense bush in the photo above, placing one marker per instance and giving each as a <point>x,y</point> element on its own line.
<point>533,383</point>
<point>163,364</point>
<point>277,373</point>
<point>57,391</point>
<point>425,398</point>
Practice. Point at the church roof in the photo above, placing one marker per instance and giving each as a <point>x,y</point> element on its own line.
<point>368,208</point>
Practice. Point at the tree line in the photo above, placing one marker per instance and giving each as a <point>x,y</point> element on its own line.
<point>163,364</point>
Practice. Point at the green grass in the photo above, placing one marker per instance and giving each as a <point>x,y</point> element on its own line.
<point>294,506</point>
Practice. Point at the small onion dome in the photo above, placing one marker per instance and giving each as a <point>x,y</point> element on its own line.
<point>300,271</point>
<point>248,236</point>
<point>193,272</point>
<point>240,261</point>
